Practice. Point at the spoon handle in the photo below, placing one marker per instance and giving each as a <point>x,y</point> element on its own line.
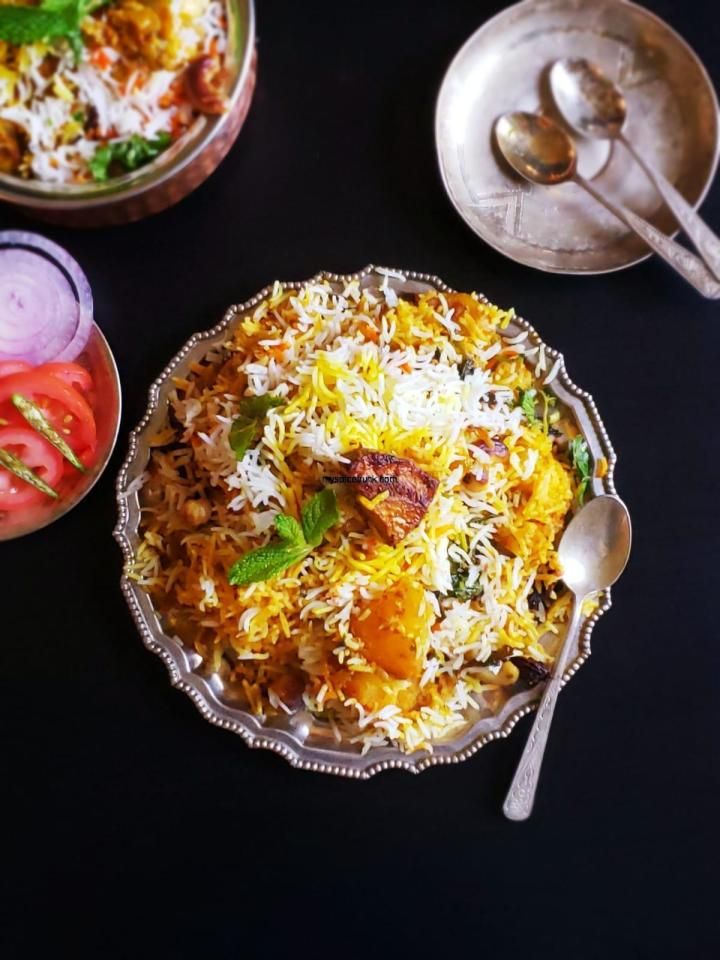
<point>707,242</point>
<point>521,795</point>
<point>679,257</point>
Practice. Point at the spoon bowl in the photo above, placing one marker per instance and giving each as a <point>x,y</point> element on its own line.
<point>593,553</point>
<point>540,150</point>
<point>595,547</point>
<point>592,104</point>
<point>536,147</point>
<point>588,100</point>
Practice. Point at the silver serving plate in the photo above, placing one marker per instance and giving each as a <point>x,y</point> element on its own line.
<point>304,741</point>
<point>672,120</point>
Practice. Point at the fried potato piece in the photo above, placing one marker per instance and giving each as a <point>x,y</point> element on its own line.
<point>393,493</point>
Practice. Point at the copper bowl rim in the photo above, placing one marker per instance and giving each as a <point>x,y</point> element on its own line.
<point>39,195</point>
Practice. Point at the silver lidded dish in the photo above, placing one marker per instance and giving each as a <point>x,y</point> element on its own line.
<point>304,741</point>
<point>504,67</point>
<point>174,174</point>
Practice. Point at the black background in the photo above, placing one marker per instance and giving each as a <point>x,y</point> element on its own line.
<point>134,823</point>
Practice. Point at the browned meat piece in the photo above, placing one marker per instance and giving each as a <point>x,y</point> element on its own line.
<point>409,492</point>
<point>11,137</point>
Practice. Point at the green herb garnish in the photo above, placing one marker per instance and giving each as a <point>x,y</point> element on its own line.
<point>459,578</point>
<point>296,541</point>
<point>257,407</point>
<point>580,459</point>
<point>23,472</point>
<point>52,20</point>
<point>128,154</point>
<point>36,418</point>
<point>527,402</point>
<point>548,401</point>
<point>318,515</point>
<point>246,427</point>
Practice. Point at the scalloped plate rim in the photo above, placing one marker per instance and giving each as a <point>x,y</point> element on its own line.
<point>198,689</point>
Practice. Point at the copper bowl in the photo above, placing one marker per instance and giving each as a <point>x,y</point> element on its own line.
<point>174,175</point>
<point>98,358</point>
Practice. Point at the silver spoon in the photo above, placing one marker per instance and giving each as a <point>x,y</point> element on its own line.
<point>592,104</point>
<point>593,553</point>
<point>540,150</point>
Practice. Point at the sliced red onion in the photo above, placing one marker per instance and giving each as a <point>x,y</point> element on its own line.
<point>46,308</point>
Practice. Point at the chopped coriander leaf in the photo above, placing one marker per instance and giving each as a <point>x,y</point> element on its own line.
<point>527,403</point>
<point>459,575</point>
<point>127,155</point>
<point>580,459</point>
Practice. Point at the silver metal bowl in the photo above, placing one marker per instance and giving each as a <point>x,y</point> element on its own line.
<point>304,741</point>
<point>672,120</point>
<point>175,173</point>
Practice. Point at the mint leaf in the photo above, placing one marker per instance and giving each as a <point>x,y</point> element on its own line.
<point>527,402</point>
<point>52,20</point>
<point>264,563</point>
<point>318,515</point>
<point>257,407</point>
<point>246,427</point>
<point>242,433</point>
<point>580,459</point>
<point>20,25</point>
<point>289,530</point>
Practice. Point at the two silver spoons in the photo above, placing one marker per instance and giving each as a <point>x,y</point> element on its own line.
<point>540,150</point>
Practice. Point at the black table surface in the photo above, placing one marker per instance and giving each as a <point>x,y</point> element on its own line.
<point>133,822</point>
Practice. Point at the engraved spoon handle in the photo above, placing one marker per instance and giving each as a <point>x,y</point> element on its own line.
<point>685,263</point>
<point>707,242</point>
<point>521,795</point>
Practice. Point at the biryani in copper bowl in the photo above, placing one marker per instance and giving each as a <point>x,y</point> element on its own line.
<point>344,507</point>
<point>112,109</point>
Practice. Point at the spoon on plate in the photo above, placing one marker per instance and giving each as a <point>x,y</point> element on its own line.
<point>538,149</point>
<point>593,553</point>
<point>594,107</point>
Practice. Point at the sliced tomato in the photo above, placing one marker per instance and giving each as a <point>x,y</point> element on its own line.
<point>66,409</point>
<point>71,373</point>
<point>36,453</point>
<point>13,366</point>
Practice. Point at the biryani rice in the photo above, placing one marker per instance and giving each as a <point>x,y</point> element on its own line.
<point>364,369</point>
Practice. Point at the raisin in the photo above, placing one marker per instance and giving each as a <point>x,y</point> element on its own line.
<point>531,671</point>
<point>465,368</point>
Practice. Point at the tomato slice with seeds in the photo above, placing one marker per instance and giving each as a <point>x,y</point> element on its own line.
<point>66,409</point>
<point>71,373</point>
<point>36,453</point>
